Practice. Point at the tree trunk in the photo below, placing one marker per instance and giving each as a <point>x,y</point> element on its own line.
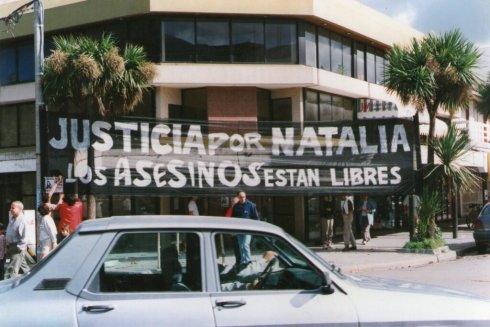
<point>431,136</point>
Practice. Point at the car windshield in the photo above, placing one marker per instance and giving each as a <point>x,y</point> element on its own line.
<point>329,266</point>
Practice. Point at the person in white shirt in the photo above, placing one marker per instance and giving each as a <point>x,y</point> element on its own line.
<point>192,207</point>
<point>347,207</point>
<point>47,232</point>
<point>16,237</point>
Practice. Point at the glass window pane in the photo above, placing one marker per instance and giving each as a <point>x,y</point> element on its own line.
<point>248,41</point>
<point>26,63</point>
<point>263,105</point>
<point>347,56</point>
<point>324,49</point>
<point>337,108</point>
<point>360,62</point>
<point>146,205</point>
<point>213,41</point>
<point>380,66</point>
<point>336,51</point>
<point>311,106</point>
<point>348,109</point>
<point>121,205</point>
<point>325,107</point>
<point>8,126</point>
<point>370,65</point>
<point>151,262</point>
<point>102,206</point>
<point>179,40</point>
<point>290,270</point>
<point>7,66</point>
<point>27,121</point>
<point>310,45</point>
<point>281,42</point>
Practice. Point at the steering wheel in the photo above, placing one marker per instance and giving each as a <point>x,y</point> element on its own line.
<point>266,273</point>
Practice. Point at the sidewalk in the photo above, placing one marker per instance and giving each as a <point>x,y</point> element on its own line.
<point>385,251</point>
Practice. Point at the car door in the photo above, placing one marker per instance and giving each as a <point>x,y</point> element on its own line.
<point>148,279</point>
<point>265,293</point>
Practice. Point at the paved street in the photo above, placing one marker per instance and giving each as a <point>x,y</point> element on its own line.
<point>470,273</point>
<point>459,267</point>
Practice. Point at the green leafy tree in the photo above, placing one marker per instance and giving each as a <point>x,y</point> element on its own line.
<point>450,149</point>
<point>484,103</point>
<point>96,78</point>
<point>86,73</point>
<point>436,72</point>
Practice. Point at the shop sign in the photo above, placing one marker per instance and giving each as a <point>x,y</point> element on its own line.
<point>192,157</point>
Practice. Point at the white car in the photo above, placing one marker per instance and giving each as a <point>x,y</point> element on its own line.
<point>181,271</point>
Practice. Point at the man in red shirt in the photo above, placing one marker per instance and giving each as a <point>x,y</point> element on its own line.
<point>71,213</point>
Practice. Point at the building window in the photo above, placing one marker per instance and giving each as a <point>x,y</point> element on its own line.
<point>179,40</point>
<point>213,41</point>
<point>320,106</point>
<point>310,45</point>
<point>370,65</point>
<point>324,49</point>
<point>281,42</point>
<point>17,125</point>
<point>16,64</point>
<point>380,66</point>
<point>360,61</point>
<point>248,43</point>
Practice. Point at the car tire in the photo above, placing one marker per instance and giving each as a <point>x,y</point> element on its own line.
<point>481,248</point>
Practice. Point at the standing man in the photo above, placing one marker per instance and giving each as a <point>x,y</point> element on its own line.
<point>367,210</point>
<point>16,237</point>
<point>347,207</point>
<point>247,210</point>
<point>192,206</point>
<point>327,221</point>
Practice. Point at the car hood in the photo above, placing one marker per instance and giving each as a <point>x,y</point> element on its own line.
<point>394,285</point>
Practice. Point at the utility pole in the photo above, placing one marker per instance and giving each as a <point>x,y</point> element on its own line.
<point>39,104</point>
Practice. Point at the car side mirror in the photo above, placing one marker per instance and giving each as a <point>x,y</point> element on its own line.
<point>327,288</point>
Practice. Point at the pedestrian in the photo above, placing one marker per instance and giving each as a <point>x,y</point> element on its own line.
<point>16,237</point>
<point>347,206</point>
<point>244,209</point>
<point>367,218</point>
<point>47,232</point>
<point>192,206</point>
<point>71,213</point>
<point>327,207</point>
<point>3,250</point>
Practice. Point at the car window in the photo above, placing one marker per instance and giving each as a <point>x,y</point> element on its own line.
<point>262,262</point>
<point>151,262</point>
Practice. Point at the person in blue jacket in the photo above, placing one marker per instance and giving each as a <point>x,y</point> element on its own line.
<point>244,209</point>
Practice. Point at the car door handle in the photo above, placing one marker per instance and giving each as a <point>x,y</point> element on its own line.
<point>230,304</point>
<point>98,308</point>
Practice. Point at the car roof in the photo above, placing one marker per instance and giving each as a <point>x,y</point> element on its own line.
<point>142,222</point>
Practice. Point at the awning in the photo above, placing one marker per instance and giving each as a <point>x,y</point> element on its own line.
<point>440,128</point>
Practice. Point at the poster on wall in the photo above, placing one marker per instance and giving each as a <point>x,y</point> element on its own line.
<point>170,157</point>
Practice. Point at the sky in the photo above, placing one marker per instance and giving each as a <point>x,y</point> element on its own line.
<point>471,17</point>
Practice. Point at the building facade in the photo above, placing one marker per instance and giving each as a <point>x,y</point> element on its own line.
<point>223,61</point>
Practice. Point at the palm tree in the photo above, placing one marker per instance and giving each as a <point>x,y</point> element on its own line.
<point>484,103</point>
<point>432,73</point>
<point>450,149</point>
<point>87,73</point>
<point>93,76</point>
